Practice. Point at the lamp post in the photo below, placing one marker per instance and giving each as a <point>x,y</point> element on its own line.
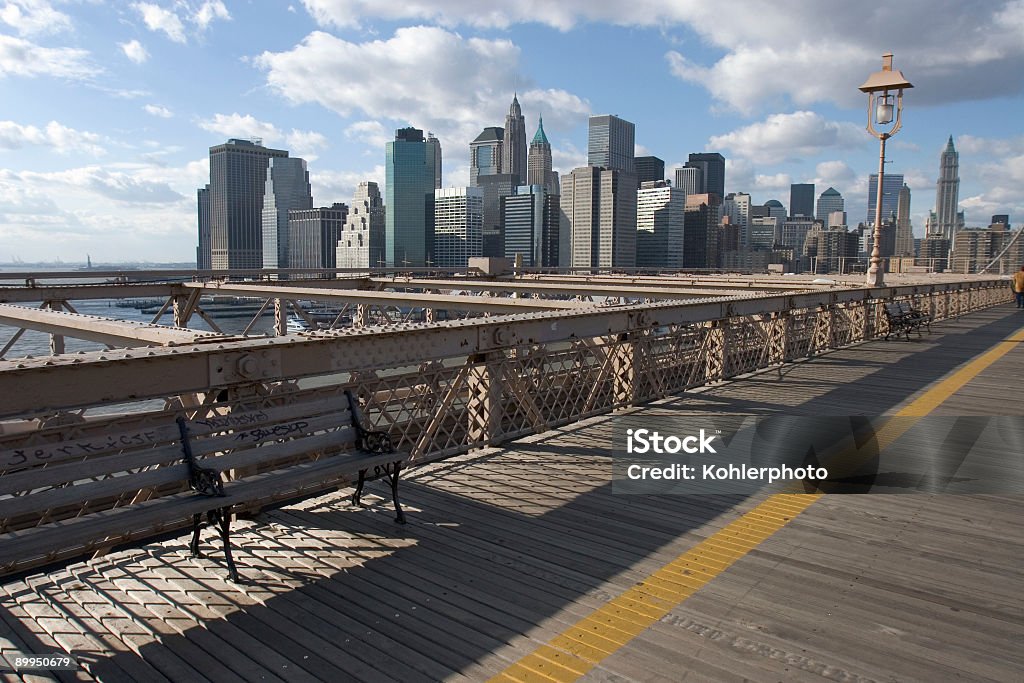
<point>880,87</point>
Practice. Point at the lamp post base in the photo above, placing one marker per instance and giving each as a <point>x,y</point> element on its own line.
<point>876,276</point>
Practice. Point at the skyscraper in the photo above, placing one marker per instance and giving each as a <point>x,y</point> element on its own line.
<point>361,242</point>
<point>737,207</point>
<point>828,201</point>
<point>611,143</point>
<point>531,218</point>
<point>286,189</point>
<point>313,236</point>
<point>538,162</point>
<point>203,250</point>
<point>238,177</point>
<point>458,222</point>
<point>649,169</point>
<point>513,158</point>
<point>801,199</point>
<point>892,183</point>
<point>660,222</point>
<point>690,180</point>
<point>494,188</point>
<point>947,192</point>
<point>700,245</point>
<point>431,140</point>
<point>712,172</point>
<point>410,170</point>
<point>598,215</point>
<point>776,209</point>
<point>904,230</point>
<point>485,154</point>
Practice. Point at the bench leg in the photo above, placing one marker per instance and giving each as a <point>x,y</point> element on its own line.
<point>396,469</point>
<point>358,493</point>
<point>194,545</point>
<point>225,535</point>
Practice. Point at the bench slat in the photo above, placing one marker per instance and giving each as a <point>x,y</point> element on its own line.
<point>52,446</point>
<point>71,537</point>
<point>95,466</point>
<point>81,493</point>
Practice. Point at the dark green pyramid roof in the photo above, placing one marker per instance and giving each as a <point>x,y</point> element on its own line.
<point>540,137</point>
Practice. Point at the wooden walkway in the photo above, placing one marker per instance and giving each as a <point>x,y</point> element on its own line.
<point>509,548</point>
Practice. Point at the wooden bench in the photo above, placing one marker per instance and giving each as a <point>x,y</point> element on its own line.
<point>81,488</point>
<point>903,318</point>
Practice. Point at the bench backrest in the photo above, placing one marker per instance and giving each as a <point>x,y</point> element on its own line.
<point>64,472</point>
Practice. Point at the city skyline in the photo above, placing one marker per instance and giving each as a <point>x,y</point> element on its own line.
<point>114,108</point>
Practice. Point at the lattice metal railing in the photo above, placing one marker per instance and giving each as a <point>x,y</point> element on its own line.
<point>509,381</point>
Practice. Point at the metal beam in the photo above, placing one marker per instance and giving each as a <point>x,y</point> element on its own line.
<point>114,376</point>
<point>123,333</point>
<point>682,280</point>
<point>580,288</point>
<point>66,292</point>
<point>478,304</point>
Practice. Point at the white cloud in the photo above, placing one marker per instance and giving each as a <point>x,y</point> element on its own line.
<point>834,173</point>
<point>300,143</point>
<point>787,136</point>
<point>565,156</point>
<point>134,51</point>
<point>157,110</point>
<point>34,17</point>
<point>305,143</point>
<point>22,58</point>
<point>340,186</point>
<point>157,18</point>
<point>772,183</point>
<point>172,21</point>
<point>997,165</point>
<point>208,11</point>
<point>239,126</point>
<point>117,185</point>
<point>119,211</point>
<point>468,87</point>
<point>974,51</point>
<point>55,135</point>
<point>371,133</point>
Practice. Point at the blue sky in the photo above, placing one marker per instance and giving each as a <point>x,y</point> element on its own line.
<point>107,109</point>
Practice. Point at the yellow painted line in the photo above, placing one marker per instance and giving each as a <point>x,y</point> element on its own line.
<point>582,646</point>
<point>933,397</point>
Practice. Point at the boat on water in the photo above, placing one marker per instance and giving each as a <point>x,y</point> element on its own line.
<point>297,324</point>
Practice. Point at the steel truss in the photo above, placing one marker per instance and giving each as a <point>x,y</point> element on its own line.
<point>444,387</point>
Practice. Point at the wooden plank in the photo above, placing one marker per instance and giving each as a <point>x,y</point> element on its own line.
<point>81,493</point>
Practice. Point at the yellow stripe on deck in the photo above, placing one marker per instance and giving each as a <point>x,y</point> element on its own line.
<point>581,647</point>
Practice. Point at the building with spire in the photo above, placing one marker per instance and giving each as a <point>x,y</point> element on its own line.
<point>538,162</point>
<point>513,159</point>
<point>947,192</point>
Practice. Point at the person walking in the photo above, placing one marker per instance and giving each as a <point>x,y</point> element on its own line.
<point>1018,286</point>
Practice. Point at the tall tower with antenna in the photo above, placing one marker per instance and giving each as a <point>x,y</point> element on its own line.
<point>513,149</point>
